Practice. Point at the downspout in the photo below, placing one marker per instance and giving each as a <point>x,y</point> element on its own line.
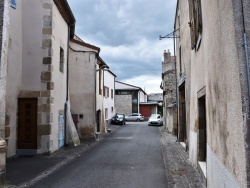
<point>95,94</point>
<point>67,87</point>
<point>176,92</point>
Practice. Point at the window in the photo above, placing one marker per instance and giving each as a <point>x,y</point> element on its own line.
<point>61,68</point>
<point>106,113</point>
<point>100,81</point>
<point>195,16</point>
<point>106,92</point>
<point>13,3</point>
<point>112,109</point>
<point>112,93</point>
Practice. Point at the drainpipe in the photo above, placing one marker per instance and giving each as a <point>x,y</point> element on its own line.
<point>176,92</point>
<point>95,94</point>
<point>67,87</point>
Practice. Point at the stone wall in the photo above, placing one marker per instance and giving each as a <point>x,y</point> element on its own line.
<point>123,104</point>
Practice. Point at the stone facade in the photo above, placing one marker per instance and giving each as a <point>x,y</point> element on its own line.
<point>123,104</point>
<point>169,92</point>
<point>156,97</point>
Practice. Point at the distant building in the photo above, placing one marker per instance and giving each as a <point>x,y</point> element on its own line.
<point>128,98</point>
<point>156,97</point>
<point>168,86</point>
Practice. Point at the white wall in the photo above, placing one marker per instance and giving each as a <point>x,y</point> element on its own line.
<point>108,102</point>
<point>14,76</point>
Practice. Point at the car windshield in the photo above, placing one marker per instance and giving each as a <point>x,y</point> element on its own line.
<point>120,116</point>
<point>155,116</point>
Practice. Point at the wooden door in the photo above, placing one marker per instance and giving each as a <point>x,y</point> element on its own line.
<point>98,120</point>
<point>27,124</point>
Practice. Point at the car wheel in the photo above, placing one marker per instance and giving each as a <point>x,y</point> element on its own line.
<point>124,123</point>
<point>138,120</point>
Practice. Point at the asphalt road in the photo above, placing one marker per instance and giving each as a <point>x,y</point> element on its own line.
<point>130,157</point>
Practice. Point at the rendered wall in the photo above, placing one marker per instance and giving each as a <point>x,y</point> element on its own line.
<point>14,77</point>
<point>82,88</point>
<point>34,68</point>
<point>109,102</point>
<point>214,68</point>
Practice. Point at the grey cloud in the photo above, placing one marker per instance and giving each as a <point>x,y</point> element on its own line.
<point>123,23</point>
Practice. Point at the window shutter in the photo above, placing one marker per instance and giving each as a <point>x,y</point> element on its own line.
<point>192,23</point>
<point>199,17</point>
<point>13,3</point>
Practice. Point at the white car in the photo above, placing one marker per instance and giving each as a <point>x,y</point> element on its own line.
<point>155,119</point>
<point>134,117</point>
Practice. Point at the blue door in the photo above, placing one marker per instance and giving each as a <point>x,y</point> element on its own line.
<point>61,131</point>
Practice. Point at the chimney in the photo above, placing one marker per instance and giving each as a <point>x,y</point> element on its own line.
<point>166,57</point>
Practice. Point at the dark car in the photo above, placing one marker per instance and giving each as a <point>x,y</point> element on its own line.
<point>118,119</point>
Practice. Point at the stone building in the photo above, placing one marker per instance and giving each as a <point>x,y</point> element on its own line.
<point>37,75</point>
<point>168,86</point>
<point>213,88</point>
<point>4,42</point>
<point>128,98</point>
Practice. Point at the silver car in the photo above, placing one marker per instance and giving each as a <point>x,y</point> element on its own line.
<point>134,117</point>
<point>155,119</point>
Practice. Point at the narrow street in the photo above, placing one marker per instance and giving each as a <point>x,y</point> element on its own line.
<point>129,157</point>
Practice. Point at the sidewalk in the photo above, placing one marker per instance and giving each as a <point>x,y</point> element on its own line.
<point>179,171</point>
<point>22,171</point>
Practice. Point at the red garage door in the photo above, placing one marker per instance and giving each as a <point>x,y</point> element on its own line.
<point>145,110</point>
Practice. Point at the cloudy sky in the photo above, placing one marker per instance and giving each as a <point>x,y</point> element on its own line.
<point>127,31</point>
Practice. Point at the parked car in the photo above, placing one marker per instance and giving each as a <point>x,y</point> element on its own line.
<point>118,119</point>
<point>155,119</point>
<point>134,117</point>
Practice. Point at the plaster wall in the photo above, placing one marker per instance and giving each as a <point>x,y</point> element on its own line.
<point>14,76</point>
<point>224,106</point>
<point>214,67</point>
<point>82,86</point>
<point>100,98</point>
<point>142,97</point>
<point>32,52</point>
<point>219,175</point>
<point>183,73</point>
<point>109,102</point>
<point>29,47</point>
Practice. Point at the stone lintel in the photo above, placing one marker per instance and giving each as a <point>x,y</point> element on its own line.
<point>29,94</point>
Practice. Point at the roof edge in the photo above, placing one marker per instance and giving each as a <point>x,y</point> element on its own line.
<point>67,15</point>
<point>86,44</point>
